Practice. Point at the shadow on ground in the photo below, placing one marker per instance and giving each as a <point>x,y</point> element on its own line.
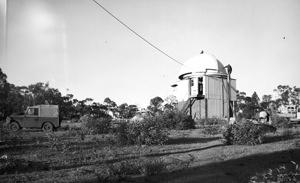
<point>277,138</point>
<point>237,170</point>
<point>184,151</point>
<point>12,166</point>
<point>177,141</point>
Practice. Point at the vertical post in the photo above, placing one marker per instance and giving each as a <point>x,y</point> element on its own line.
<point>229,70</point>
<point>191,107</point>
<point>190,93</point>
<point>229,97</point>
<point>206,94</point>
<point>233,109</point>
<point>206,108</point>
<point>200,108</point>
<point>189,87</point>
<point>223,100</point>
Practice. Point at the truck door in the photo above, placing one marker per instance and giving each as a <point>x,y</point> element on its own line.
<point>31,118</point>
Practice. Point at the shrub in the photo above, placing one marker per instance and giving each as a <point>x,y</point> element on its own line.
<point>152,133</point>
<point>153,167</point>
<point>98,126</point>
<point>11,138</point>
<point>170,119</point>
<point>121,170</point>
<point>53,141</point>
<point>9,165</point>
<point>213,121</point>
<point>77,131</point>
<point>285,173</point>
<point>246,133</point>
<point>186,123</point>
<point>280,122</point>
<point>212,130</point>
<point>176,120</point>
<point>84,118</point>
<point>65,128</point>
<point>4,133</point>
<point>118,172</point>
<point>148,132</point>
<point>287,133</point>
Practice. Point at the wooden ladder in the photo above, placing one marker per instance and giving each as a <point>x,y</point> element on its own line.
<point>189,103</point>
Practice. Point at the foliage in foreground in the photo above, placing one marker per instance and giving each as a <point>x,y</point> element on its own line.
<point>284,173</point>
<point>212,130</point>
<point>147,167</point>
<point>152,130</point>
<point>280,122</point>
<point>212,126</point>
<point>10,165</point>
<point>213,121</point>
<point>98,126</point>
<point>174,119</point>
<point>246,133</point>
<point>146,132</point>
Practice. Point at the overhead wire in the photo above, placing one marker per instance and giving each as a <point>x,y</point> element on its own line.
<point>137,34</point>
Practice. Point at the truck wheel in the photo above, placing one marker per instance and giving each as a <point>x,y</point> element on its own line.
<point>14,126</point>
<point>47,127</point>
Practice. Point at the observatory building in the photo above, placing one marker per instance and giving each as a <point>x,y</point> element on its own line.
<point>202,89</point>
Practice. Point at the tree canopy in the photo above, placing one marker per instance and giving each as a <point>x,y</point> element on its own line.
<point>15,99</point>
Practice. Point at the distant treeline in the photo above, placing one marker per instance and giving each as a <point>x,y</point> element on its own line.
<point>15,99</point>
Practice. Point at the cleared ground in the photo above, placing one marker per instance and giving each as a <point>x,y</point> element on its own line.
<point>189,156</point>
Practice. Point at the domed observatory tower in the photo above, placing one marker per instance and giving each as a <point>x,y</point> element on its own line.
<point>202,89</point>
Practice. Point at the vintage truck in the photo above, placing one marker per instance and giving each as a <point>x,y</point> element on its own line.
<point>291,112</point>
<point>45,117</point>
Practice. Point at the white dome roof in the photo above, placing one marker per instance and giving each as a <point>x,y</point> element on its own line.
<point>202,64</point>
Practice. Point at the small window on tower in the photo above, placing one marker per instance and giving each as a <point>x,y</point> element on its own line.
<point>192,82</point>
<point>200,84</point>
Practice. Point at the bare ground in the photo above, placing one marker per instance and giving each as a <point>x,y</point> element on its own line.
<point>189,156</point>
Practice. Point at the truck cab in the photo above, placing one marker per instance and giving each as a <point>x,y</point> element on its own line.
<point>292,112</point>
<point>45,117</point>
<point>297,117</point>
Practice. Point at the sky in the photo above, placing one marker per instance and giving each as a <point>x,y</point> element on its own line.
<point>80,49</point>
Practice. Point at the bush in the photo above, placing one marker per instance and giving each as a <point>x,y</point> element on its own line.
<point>285,173</point>
<point>170,119</point>
<point>10,138</point>
<point>246,133</point>
<point>212,130</point>
<point>118,172</point>
<point>186,123</point>
<point>176,120</point>
<point>10,165</point>
<point>98,126</point>
<point>147,132</point>
<point>65,128</point>
<point>4,133</point>
<point>213,121</point>
<point>84,118</point>
<point>280,122</point>
<point>153,167</point>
